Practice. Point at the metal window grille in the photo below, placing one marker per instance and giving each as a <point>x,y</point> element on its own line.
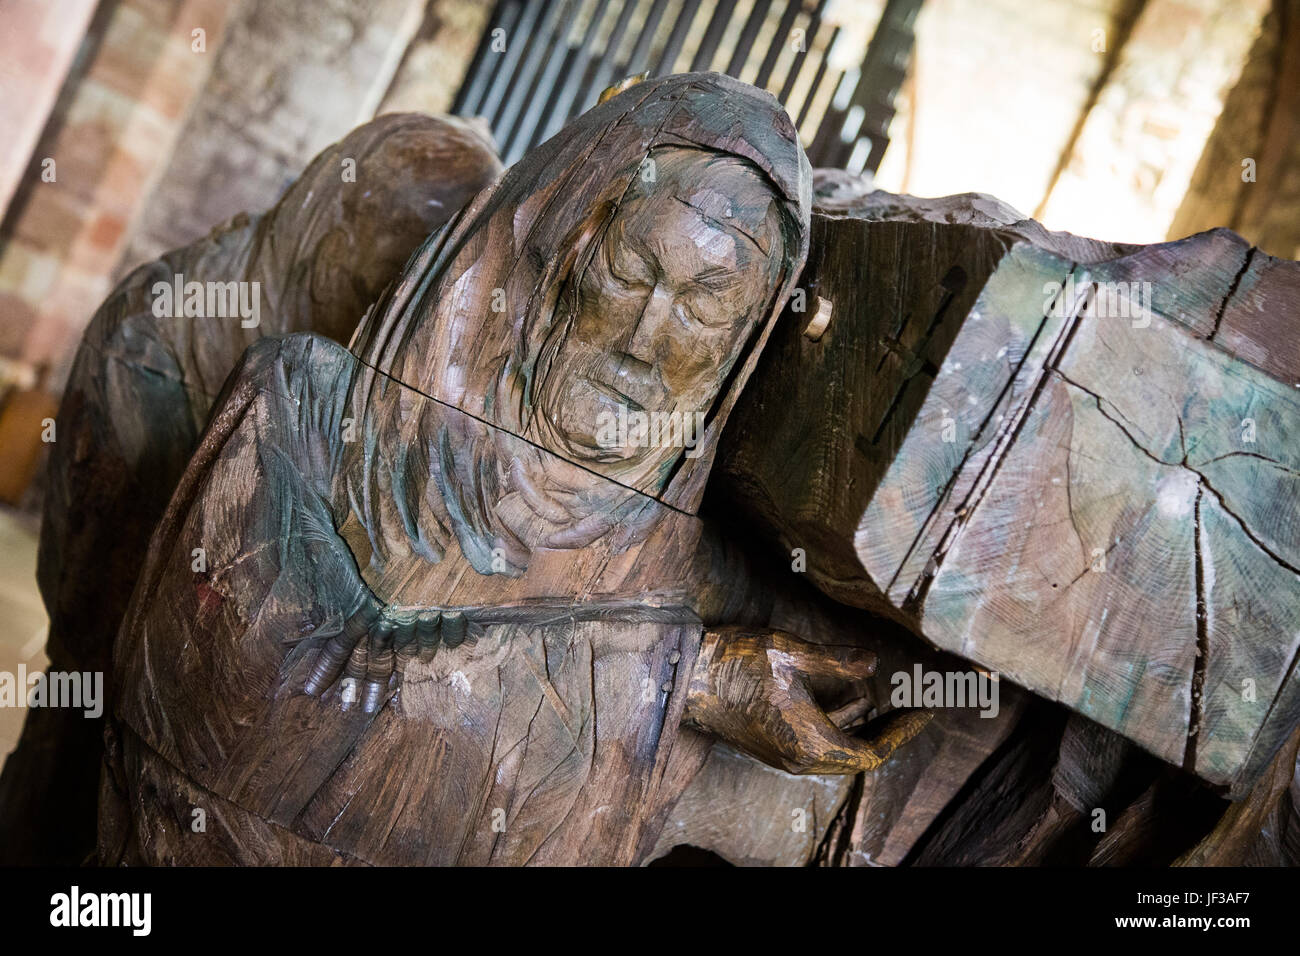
<point>542,62</point>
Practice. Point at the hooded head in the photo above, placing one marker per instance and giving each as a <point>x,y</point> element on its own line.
<point>628,269</point>
<point>635,354</point>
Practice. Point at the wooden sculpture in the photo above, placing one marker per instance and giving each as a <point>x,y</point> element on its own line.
<point>143,382</point>
<point>454,593</point>
<point>441,616</point>
<point>1072,462</point>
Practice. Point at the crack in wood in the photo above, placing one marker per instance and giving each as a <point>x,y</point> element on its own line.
<point>497,428</point>
<point>1202,479</point>
<point>969,450</point>
<point>1196,703</point>
<point>918,363</point>
<point>1003,441</point>
<point>1232,290</point>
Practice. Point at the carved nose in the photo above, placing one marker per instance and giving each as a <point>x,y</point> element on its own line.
<point>645,336</point>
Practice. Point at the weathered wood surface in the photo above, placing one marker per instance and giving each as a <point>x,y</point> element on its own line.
<point>439,620</point>
<point>141,390</point>
<point>1098,506</point>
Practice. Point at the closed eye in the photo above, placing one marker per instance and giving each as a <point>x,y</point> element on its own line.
<point>619,276</point>
<point>623,280</point>
<point>708,310</point>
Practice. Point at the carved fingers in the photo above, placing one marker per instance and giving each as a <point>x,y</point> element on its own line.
<point>367,658</point>
<point>754,689</point>
<point>336,653</point>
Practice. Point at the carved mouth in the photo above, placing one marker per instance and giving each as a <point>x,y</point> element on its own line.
<point>619,398</point>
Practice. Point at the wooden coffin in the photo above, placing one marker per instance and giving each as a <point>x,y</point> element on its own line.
<point>1075,463</point>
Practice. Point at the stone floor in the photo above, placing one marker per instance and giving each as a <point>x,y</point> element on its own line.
<point>23,623</point>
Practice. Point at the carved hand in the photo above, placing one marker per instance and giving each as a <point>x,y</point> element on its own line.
<point>367,656</point>
<point>372,651</point>
<point>753,688</point>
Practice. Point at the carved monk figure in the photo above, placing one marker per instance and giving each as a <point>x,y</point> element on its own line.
<point>442,618</point>
<point>139,394</point>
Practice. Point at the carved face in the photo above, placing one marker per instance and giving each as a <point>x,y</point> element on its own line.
<point>665,305</point>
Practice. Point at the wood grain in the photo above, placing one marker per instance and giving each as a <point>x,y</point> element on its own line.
<point>467,582</point>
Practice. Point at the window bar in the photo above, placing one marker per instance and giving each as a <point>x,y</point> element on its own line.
<point>713,35</point>
<point>507,72</point>
<point>545,55</point>
<point>816,82</point>
<point>640,52</point>
<point>779,40</point>
<point>574,74</point>
<point>479,76</point>
<point>810,35</point>
<point>600,79</point>
<point>677,39</point>
<point>747,36</point>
